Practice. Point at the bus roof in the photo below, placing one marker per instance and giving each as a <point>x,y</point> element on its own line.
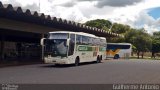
<point>120,43</point>
<point>79,33</point>
<point>102,38</point>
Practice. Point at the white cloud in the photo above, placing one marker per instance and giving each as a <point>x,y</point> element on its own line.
<point>143,20</point>
<point>131,12</point>
<point>137,16</point>
<point>116,3</point>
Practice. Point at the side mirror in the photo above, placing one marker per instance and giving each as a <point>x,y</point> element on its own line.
<point>42,41</point>
<point>68,40</point>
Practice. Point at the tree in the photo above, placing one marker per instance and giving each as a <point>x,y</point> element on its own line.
<point>120,28</point>
<point>130,35</point>
<point>155,43</point>
<point>134,49</point>
<point>99,23</point>
<point>140,39</point>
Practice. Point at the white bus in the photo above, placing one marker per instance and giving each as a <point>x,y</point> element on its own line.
<point>118,50</point>
<point>62,47</point>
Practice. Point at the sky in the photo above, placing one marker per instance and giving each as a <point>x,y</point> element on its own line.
<point>136,13</point>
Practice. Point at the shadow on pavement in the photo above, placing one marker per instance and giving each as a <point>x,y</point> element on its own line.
<point>68,65</point>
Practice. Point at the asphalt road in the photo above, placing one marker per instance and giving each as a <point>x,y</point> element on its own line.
<point>108,72</point>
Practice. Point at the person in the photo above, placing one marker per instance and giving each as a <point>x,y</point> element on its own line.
<point>62,48</point>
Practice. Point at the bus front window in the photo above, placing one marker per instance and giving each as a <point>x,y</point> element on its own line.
<point>55,47</point>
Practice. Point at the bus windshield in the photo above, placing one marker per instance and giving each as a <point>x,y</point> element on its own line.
<point>55,47</point>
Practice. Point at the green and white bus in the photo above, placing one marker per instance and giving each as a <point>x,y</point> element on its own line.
<point>63,47</point>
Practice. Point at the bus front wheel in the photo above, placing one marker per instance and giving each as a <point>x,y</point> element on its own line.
<point>77,61</point>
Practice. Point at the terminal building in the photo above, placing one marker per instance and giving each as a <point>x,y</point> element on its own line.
<point>21,31</point>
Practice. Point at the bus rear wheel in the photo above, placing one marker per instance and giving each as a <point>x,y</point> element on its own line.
<point>98,59</point>
<point>116,56</point>
<point>101,58</point>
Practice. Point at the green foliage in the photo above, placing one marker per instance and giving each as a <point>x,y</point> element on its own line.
<point>156,35</point>
<point>120,28</point>
<point>130,35</point>
<point>99,23</point>
<point>155,43</point>
<point>134,48</point>
<point>143,41</point>
<point>140,39</point>
<point>156,46</point>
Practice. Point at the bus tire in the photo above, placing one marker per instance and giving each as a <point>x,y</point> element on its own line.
<point>76,61</point>
<point>98,59</point>
<point>116,56</point>
<point>56,65</point>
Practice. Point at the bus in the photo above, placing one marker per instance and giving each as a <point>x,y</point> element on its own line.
<point>64,47</point>
<point>118,50</point>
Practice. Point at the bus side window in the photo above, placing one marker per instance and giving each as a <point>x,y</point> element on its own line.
<point>85,40</point>
<point>103,42</point>
<point>93,41</point>
<point>78,39</point>
<point>96,41</point>
<point>72,44</point>
<point>90,41</point>
<point>72,36</point>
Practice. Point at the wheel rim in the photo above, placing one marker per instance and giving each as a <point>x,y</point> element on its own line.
<point>116,57</point>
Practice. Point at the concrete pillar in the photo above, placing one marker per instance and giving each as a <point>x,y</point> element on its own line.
<point>42,36</point>
<point>2,48</point>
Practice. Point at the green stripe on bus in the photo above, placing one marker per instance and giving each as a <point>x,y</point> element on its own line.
<point>85,48</point>
<point>102,48</point>
<point>90,48</point>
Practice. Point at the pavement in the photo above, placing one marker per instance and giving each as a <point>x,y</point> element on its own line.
<point>108,72</point>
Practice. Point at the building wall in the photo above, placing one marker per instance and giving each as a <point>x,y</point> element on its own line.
<point>19,46</point>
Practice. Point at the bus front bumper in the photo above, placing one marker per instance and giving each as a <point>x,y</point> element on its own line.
<point>55,60</point>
